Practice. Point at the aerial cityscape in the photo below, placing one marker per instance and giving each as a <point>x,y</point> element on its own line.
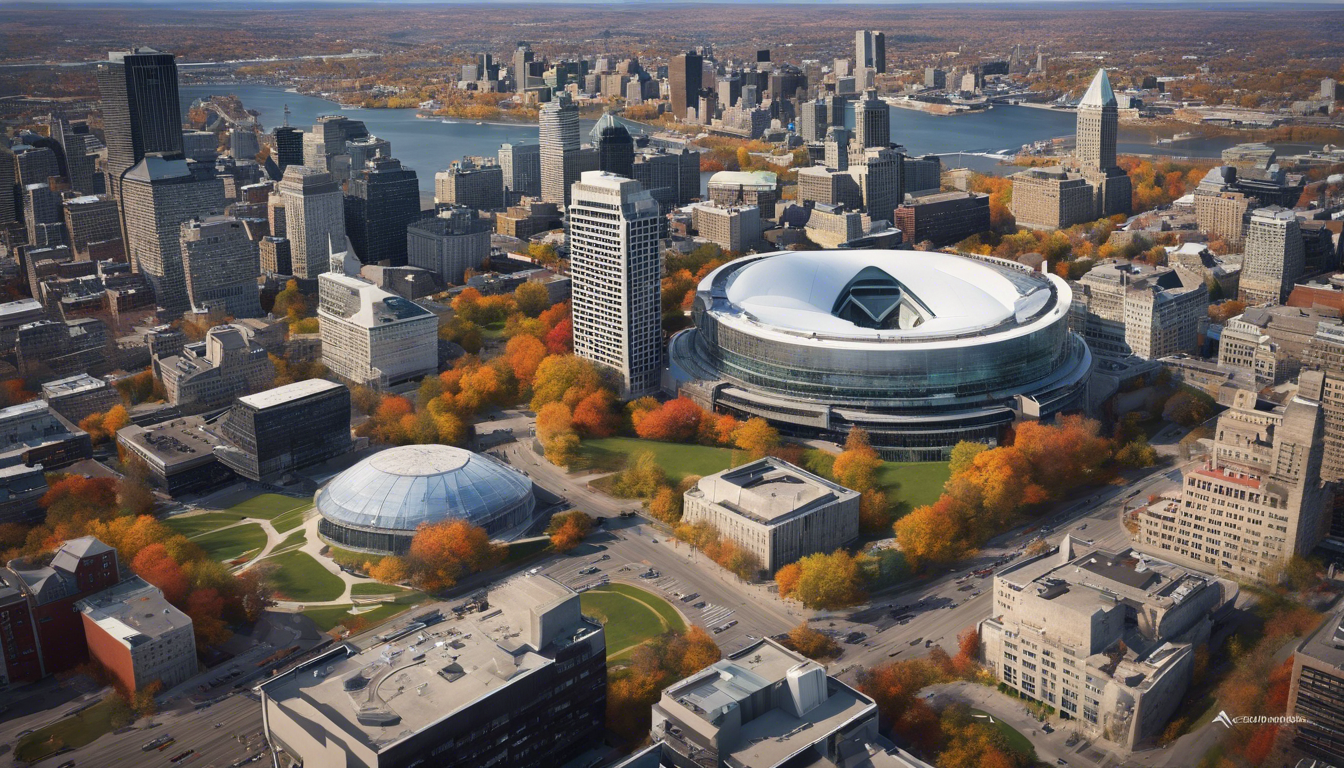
<point>671,385</point>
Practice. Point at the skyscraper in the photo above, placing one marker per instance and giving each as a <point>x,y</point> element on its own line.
<point>684,80</point>
<point>158,194</point>
<point>42,215</point>
<point>522,66</point>
<point>559,139</point>
<point>870,50</point>
<point>812,120</point>
<point>615,147</point>
<point>1098,125</point>
<point>288,147</point>
<point>314,218</point>
<point>9,199</point>
<point>219,261</point>
<point>141,112</point>
<point>76,139</point>
<point>521,164</point>
<point>1275,256</point>
<point>383,200</point>
<point>872,121</point>
<point>615,264</point>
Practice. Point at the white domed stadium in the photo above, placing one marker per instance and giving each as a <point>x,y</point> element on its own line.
<point>376,505</point>
<point>922,349</point>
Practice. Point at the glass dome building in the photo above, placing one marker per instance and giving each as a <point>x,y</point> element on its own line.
<point>376,505</point>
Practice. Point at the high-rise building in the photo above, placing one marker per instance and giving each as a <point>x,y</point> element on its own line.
<point>274,255</point>
<point>477,183</point>
<point>244,144</point>
<point>9,198</point>
<point>373,337</point>
<point>559,139</point>
<point>733,228</point>
<point>1222,210</point>
<point>521,164</point>
<point>684,79</point>
<point>362,151</point>
<point>201,146</point>
<point>870,50</point>
<point>522,67</point>
<point>877,175</point>
<point>35,165</point>
<point>935,78</point>
<point>449,244</point>
<point>1275,256</point>
<point>314,218</point>
<point>1122,308</point>
<point>141,111</point>
<point>872,121</point>
<point>285,429</point>
<point>210,373</point>
<point>158,195</point>
<point>1259,499</point>
<point>91,219</point>
<point>328,138</point>
<point>80,158</point>
<point>42,215</point>
<point>943,218</point>
<point>614,145</point>
<point>615,264</point>
<point>220,264</point>
<point>383,199</point>
<point>812,120</point>
<point>288,147</point>
<point>1316,694</point>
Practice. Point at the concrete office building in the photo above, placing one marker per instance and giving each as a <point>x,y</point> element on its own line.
<point>870,50</point>
<point>521,164</point>
<point>935,78</point>
<point>92,219</point>
<point>381,201</point>
<point>684,82</point>
<point>275,256</point>
<point>9,200</point>
<point>1316,693</point>
<point>327,139</point>
<point>158,195</point>
<point>758,188</point>
<point>559,148</point>
<point>141,110</point>
<point>200,146</point>
<point>285,429</point>
<point>523,685</point>
<point>42,214</point>
<point>211,373</point>
<point>812,120</point>
<point>373,337</point>
<point>877,175</point>
<point>140,638</point>
<point>1127,308</point>
<point>872,121</point>
<point>1093,186</point>
<point>219,261</point>
<point>179,453</point>
<point>616,267</point>
<point>1273,343</point>
<point>828,186</point>
<point>314,218</point>
<point>1275,256</point>
<point>943,218</point>
<point>1221,210</point>
<point>530,218</point>
<point>887,322</point>
<point>776,511</point>
<point>78,396</point>
<point>363,151</point>
<point>736,228</point>
<point>1326,353</point>
<point>244,144</point>
<point>478,186</point>
<point>671,176</point>
<point>449,244</point>
<point>1259,499</point>
<point>766,706</point>
<point>1107,638</point>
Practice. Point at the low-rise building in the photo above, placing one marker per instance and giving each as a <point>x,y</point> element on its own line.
<point>521,683</point>
<point>80,395</point>
<point>758,188</point>
<point>1270,342</point>
<point>180,454</point>
<point>1052,198</point>
<point>944,218</point>
<point>373,337</point>
<point>775,510</point>
<point>211,373</point>
<point>33,434</point>
<point>21,491</point>
<point>531,217</point>
<point>138,636</point>
<point>1107,638</point>
<point>736,228</point>
<point>449,244</point>
<point>1127,308</point>
<point>284,429</point>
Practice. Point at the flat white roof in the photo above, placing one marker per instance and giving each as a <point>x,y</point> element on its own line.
<point>288,392</point>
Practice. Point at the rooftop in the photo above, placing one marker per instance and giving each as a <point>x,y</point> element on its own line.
<point>753,179</point>
<point>133,612</point>
<point>289,392</point>
<point>376,306</point>
<point>396,689</point>
<point>769,491</point>
<point>80,382</point>
<point>182,441</point>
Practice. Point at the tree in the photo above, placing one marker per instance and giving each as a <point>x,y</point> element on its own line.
<point>389,570</point>
<point>1187,409</point>
<point>563,378</point>
<point>963,453</point>
<point>531,298</point>
<point>786,579</point>
<point>443,552</point>
<point>553,419</point>
<point>206,609</point>
<point>756,437</point>
<point>827,582</point>
<point>155,565</point>
<point>811,643</point>
<point>874,512</point>
<point>931,533</point>
<point>597,415</point>
<point>666,505</point>
<point>568,529</point>
<point>524,355</point>
<point>563,450</point>
<point>560,339</point>
<point>676,421</point>
<point>857,465</point>
<point>254,590</point>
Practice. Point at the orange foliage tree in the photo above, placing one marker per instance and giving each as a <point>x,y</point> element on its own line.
<point>443,552</point>
<point>568,529</point>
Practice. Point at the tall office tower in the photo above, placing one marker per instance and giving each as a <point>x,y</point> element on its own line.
<point>812,122</point>
<point>729,89</point>
<point>476,185</point>
<point>615,147</point>
<point>314,218</point>
<point>80,161</point>
<point>361,151</point>
<point>1275,256</point>
<point>243,144</point>
<point>870,50</point>
<point>877,173</point>
<point>616,268</point>
<point>288,147</point>
<point>837,148</point>
<point>141,112</point>
<point>1258,500</point>
<point>684,79</point>
<point>275,214</point>
<point>872,121</point>
<point>158,194</point>
<point>328,138</point>
<point>9,197</point>
<point>91,219</point>
<point>383,199</point>
<point>522,59</point>
<point>1098,125</point>
<point>41,210</point>
<point>274,256</point>
<point>35,165</point>
<point>220,264</point>
<point>521,164</point>
<point>559,139</point>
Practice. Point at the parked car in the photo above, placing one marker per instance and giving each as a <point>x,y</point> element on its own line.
<point>589,569</point>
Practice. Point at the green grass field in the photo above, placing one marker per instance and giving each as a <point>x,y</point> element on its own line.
<point>328,616</point>
<point>912,484</point>
<point>630,616</point>
<point>269,506</point>
<point>73,732</point>
<point>292,541</point>
<point>300,578</point>
<point>292,519</point>
<point>232,542</point>
<point>678,460</point>
<point>374,588</point>
<point>1016,741</point>
<point>493,330</point>
<point>195,525</point>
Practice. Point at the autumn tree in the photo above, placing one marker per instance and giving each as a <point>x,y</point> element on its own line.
<point>756,437</point>
<point>857,465</point>
<point>564,378</point>
<point>567,529</point>
<point>932,533</point>
<point>389,570</point>
<point>560,339</point>
<point>676,421</point>
<point>206,609</point>
<point>443,552</point>
<point>531,298</point>
<point>666,505</point>
<point>597,415</point>
<point>811,643</point>
<point>662,660</point>
<point>824,581</point>
<point>524,355</point>
<point>155,565</point>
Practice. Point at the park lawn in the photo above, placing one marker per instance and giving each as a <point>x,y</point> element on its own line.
<point>493,330</point>
<point>72,732</point>
<point>630,616</point>
<point>911,484</point>
<point>289,520</point>
<point>230,543</point>
<point>292,541</point>
<point>375,588</point>
<point>300,578</point>
<point>269,506</point>
<point>678,460</point>
<point>1016,741</point>
<point>195,525</point>
<point>327,617</point>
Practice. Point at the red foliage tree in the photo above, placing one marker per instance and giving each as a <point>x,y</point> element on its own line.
<point>156,566</point>
<point>676,421</point>
<point>560,339</point>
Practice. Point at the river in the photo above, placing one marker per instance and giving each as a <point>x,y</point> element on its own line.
<point>429,145</point>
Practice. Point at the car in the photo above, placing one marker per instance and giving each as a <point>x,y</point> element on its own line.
<point>976,593</point>
<point>167,744</point>
<point>1083,527</point>
<point>156,743</point>
<point>690,597</point>
<point>183,756</point>
<point>1061,761</point>
<point>904,617</point>
<point>534,571</point>
<point>928,643</point>
<point>700,604</point>
<point>604,557</point>
<point>67,764</point>
<point>589,569</point>
<point>916,641</point>
<point>655,541</point>
<point>649,574</point>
